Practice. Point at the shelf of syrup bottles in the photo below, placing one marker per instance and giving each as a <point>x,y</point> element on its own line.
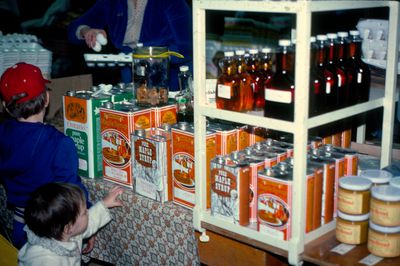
<point>299,127</point>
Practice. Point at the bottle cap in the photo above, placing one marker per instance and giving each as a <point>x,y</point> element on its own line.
<point>354,33</point>
<point>342,34</point>
<point>266,50</point>
<point>284,42</point>
<point>184,68</point>
<point>228,53</point>
<point>239,52</point>
<point>331,35</point>
<point>321,37</point>
<point>312,39</point>
<point>253,51</point>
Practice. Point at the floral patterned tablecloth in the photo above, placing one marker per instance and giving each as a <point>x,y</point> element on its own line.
<point>142,232</point>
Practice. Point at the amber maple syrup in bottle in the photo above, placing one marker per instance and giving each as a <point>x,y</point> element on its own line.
<point>258,78</point>
<point>361,73</point>
<point>246,90</point>
<point>330,77</point>
<point>279,90</point>
<point>317,84</point>
<point>227,95</point>
<point>333,66</point>
<point>342,52</point>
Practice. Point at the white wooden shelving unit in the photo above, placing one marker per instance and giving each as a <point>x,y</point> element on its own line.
<point>303,11</point>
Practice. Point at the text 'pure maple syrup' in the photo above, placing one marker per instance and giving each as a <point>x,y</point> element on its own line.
<point>279,90</point>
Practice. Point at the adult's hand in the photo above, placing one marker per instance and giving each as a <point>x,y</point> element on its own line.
<point>90,34</point>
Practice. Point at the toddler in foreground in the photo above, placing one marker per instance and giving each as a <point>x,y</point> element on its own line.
<point>57,221</point>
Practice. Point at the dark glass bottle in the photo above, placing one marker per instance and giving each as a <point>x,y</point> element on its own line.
<point>184,98</point>
<point>333,66</point>
<point>361,73</point>
<point>266,62</point>
<point>246,90</point>
<point>258,78</point>
<point>317,85</point>
<point>227,94</point>
<point>330,77</point>
<point>342,52</point>
<point>343,46</point>
<point>279,90</point>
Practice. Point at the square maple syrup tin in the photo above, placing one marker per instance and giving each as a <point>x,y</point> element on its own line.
<point>151,163</point>
<point>230,190</point>
<point>164,115</point>
<point>183,162</point>
<point>274,201</point>
<point>118,121</point>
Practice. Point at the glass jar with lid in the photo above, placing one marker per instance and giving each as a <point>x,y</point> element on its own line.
<point>384,241</point>
<point>378,177</point>
<point>354,195</point>
<point>151,74</point>
<point>385,205</point>
<point>352,229</point>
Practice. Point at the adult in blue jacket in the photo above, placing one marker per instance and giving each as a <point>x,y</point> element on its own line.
<point>128,22</point>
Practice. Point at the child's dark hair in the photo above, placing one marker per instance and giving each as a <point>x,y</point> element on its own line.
<point>53,206</point>
<point>28,108</point>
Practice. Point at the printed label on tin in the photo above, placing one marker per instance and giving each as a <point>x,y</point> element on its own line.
<point>224,195</point>
<point>150,168</point>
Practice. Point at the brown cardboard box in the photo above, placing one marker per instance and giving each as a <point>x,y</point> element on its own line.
<point>60,86</point>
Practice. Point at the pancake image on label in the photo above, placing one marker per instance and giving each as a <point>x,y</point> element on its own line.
<point>272,210</point>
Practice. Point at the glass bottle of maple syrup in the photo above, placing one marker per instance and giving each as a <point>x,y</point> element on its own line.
<point>227,94</point>
<point>361,73</point>
<point>246,90</point>
<point>333,66</point>
<point>330,77</point>
<point>266,62</point>
<point>317,84</point>
<point>279,90</point>
<point>342,52</point>
<point>258,78</point>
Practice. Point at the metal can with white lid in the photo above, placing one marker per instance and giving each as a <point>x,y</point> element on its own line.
<point>384,241</point>
<point>385,205</point>
<point>377,176</point>
<point>354,195</point>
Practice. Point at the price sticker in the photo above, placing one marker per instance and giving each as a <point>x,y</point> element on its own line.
<point>370,260</point>
<point>342,248</point>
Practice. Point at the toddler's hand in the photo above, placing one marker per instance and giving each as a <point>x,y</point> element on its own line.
<point>111,200</point>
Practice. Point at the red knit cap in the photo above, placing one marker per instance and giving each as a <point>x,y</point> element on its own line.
<point>22,78</point>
